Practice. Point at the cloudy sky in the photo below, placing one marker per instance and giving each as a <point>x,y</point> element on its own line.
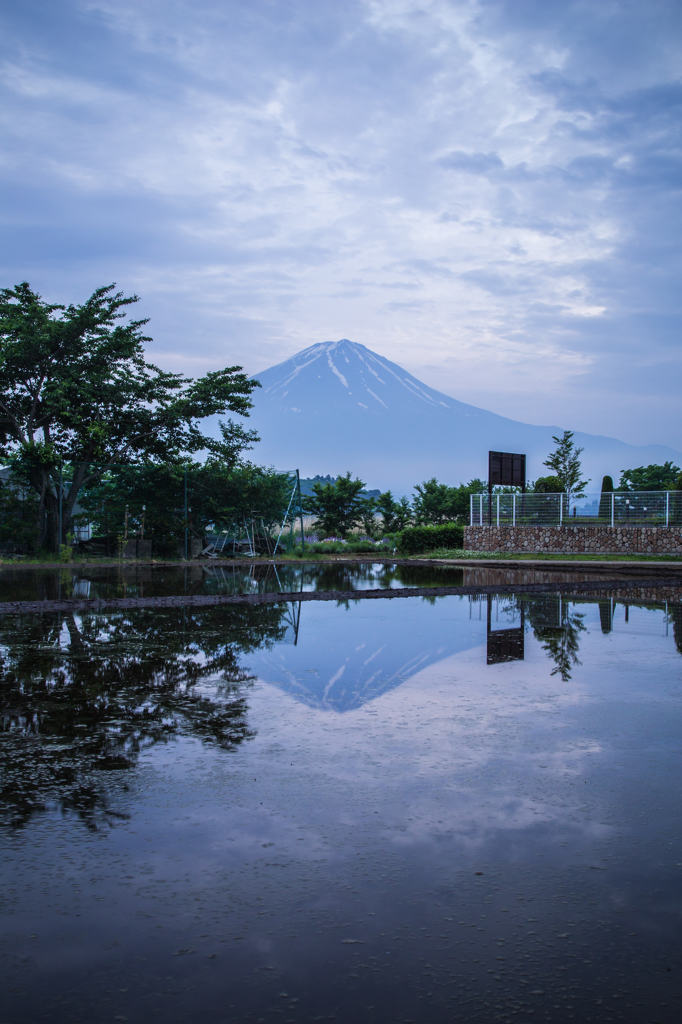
<point>485,191</point>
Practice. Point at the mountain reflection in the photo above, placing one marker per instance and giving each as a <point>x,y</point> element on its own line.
<point>83,695</point>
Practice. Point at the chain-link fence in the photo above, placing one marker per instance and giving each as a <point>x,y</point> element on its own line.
<point>633,508</point>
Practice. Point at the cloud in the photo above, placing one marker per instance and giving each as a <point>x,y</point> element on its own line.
<point>263,174</point>
<point>471,163</point>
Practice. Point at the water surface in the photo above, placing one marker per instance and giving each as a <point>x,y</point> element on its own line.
<point>455,808</point>
<point>90,581</point>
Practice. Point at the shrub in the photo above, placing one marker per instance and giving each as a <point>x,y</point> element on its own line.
<point>417,539</point>
<point>341,547</point>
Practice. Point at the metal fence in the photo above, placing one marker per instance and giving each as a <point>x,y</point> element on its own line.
<point>633,508</point>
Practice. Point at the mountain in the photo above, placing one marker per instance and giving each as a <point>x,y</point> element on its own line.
<point>338,406</point>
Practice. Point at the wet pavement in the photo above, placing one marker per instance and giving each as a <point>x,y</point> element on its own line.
<point>460,807</point>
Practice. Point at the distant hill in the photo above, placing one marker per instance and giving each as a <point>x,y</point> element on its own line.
<point>338,406</point>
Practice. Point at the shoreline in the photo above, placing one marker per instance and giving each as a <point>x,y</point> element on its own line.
<point>635,565</point>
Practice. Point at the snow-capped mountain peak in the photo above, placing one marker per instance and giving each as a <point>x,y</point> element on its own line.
<point>347,370</point>
<point>338,406</point>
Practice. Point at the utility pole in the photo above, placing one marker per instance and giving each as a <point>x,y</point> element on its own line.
<point>300,507</point>
<point>61,494</point>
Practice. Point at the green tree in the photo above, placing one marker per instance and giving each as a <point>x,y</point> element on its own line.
<point>437,503</point>
<point>75,388</point>
<point>565,461</point>
<point>650,478</point>
<point>337,507</point>
<point>461,503</point>
<point>433,503</point>
<point>548,485</point>
<point>395,514</point>
<point>18,512</point>
<point>368,516</point>
<point>605,499</point>
<point>152,496</point>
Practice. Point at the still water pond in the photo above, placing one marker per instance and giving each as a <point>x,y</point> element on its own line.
<point>135,581</point>
<point>452,808</point>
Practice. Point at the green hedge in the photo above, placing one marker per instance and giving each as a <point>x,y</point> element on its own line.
<point>416,539</point>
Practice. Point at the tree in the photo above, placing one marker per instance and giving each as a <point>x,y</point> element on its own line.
<point>368,515</point>
<point>152,498</point>
<point>435,503</point>
<point>565,461</point>
<point>75,388</point>
<point>18,511</point>
<point>548,485</point>
<point>395,514</point>
<point>461,504</point>
<point>338,507</point>
<point>650,478</point>
<point>605,499</point>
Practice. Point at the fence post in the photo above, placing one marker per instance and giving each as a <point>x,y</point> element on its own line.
<point>667,506</point>
<point>471,510</point>
<point>186,515</point>
<point>561,509</point>
<point>300,508</point>
<point>61,497</point>
<point>613,504</point>
<point>480,509</point>
<point>498,510</point>
<point>513,510</point>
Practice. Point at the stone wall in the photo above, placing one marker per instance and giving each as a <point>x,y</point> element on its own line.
<point>573,540</point>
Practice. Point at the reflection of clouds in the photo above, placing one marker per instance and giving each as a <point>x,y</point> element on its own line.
<point>459,749</point>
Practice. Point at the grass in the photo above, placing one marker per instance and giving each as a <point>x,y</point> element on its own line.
<point>330,551</point>
<point>441,553</point>
<point>339,548</point>
<point>550,556</point>
<point>47,558</point>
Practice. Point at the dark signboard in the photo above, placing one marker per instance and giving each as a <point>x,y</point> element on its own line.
<point>504,644</point>
<point>506,469</point>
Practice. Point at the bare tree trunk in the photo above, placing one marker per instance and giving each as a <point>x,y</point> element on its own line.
<point>40,484</point>
<point>40,523</point>
<point>47,527</point>
<point>51,538</point>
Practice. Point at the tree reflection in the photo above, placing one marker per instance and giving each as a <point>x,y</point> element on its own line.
<point>83,695</point>
<point>675,616</point>
<point>557,627</point>
<point>562,645</point>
